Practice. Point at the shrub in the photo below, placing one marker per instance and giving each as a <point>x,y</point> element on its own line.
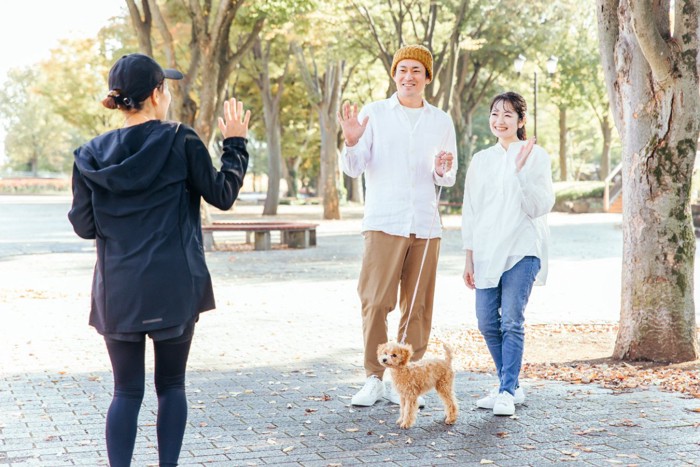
<point>34,186</point>
<point>571,191</point>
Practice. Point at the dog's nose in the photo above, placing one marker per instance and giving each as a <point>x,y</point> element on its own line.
<point>384,360</point>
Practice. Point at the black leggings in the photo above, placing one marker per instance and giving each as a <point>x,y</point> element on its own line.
<point>129,374</point>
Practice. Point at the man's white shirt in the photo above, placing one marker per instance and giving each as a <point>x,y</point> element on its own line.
<point>397,157</point>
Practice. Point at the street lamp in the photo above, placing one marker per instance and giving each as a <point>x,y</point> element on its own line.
<point>551,64</point>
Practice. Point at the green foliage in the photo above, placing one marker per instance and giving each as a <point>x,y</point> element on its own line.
<point>66,89</point>
<point>54,106</point>
<point>279,12</point>
<point>36,139</point>
<point>571,191</point>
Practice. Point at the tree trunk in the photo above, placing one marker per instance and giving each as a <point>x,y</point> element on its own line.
<point>465,147</point>
<point>210,61</point>
<point>273,133</point>
<point>290,172</point>
<point>563,169</point>
<point>142,26</point>
<point>324,95</point>
<point>606,129</point>
<point>653,85</point>
<point>273,127</point>
<point>354,187</point>
<point>328,183</point>
<point>34,166</point>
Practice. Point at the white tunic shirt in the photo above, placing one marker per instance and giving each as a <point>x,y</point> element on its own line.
<point>398,159</point>
<point>504,216</point>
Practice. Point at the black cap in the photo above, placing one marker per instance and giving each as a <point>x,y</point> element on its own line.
<point>135,76</point>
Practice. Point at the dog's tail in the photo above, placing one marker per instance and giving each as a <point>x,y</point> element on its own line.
<point>448,353</point>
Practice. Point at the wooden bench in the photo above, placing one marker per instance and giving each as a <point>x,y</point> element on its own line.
<point>292,234</point>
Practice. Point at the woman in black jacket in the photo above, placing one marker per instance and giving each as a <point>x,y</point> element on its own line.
<point>137,191</point>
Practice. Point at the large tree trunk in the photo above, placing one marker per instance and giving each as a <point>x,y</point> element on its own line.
<point>563,170</point>
<point>606,129</point>
<point>652,81</point>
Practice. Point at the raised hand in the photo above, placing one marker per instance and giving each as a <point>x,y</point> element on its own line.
<point>524,154</point>
<point>235,122</point>
<point>352,129</point>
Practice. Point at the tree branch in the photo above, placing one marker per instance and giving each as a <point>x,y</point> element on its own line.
<point>385,55</point>
<point>608,36</point>
<point>169,43</point>
<point>281,78</point>
<point>311,84</point>
<point>654,47</point>
<point>142,27</point>
<point>233,57</point>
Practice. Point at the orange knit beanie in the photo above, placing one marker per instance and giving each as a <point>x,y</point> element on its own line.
<point>414,52</point>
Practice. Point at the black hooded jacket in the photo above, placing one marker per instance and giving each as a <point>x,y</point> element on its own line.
<point>137,192</point>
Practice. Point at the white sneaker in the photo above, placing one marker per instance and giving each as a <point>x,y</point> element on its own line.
<point>505,404</point>
<point>395,398</point>
<point>488,401</point>
<point>371,392</point>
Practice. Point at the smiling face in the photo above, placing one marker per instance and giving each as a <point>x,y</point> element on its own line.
<point>411,79</point>
<point>505,122</point>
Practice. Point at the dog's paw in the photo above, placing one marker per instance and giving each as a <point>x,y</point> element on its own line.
<point>399,421</point>
<point>450,421</point>
<point>405,425</point>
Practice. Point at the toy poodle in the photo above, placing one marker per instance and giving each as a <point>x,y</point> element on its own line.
<point>413,379</point>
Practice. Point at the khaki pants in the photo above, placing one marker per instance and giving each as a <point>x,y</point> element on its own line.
<point>391,262</point>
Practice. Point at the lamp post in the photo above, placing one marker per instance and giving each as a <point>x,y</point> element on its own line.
<point>551,64</point>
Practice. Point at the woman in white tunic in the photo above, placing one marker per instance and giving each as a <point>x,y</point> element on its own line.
<point>507,195</point>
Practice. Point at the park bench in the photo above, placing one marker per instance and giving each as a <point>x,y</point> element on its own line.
<point>292,234</point>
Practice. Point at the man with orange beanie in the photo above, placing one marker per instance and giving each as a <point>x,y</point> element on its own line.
<point>405,147</point>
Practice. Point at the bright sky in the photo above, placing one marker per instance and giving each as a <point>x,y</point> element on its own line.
<point>29,29</point>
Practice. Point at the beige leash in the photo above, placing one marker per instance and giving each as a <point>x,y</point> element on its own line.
<point>425,254</point>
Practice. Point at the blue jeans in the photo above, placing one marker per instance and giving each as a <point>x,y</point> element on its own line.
<point>500,312</point>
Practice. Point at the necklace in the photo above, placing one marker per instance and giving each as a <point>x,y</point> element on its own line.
<point>144,119</point>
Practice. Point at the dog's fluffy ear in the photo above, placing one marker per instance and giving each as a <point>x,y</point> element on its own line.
<point>405,352</point>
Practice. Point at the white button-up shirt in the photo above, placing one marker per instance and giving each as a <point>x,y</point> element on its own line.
<point>398,160</point>
<point>504,216</point>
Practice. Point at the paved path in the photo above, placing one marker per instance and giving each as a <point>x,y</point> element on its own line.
<point>273,368</point>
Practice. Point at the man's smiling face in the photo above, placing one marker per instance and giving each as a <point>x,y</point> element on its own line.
<point>410,78</point>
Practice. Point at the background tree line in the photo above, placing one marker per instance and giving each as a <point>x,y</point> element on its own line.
<point>294,61</point>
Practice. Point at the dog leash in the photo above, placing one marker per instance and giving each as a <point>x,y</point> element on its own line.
<point>425,254</point>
